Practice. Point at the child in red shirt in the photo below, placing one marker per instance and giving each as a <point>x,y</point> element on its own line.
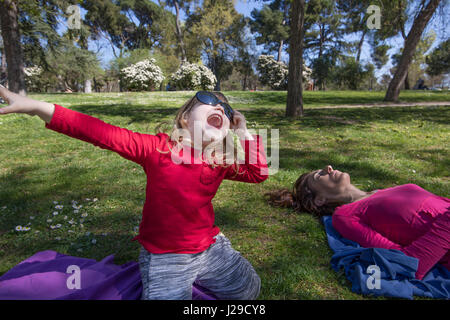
<point>180,243</point>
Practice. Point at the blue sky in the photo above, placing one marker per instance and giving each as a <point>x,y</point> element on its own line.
<point>440,25</point>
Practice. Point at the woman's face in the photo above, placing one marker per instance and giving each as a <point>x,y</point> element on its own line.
<point>329,184</point>
<point>208,120</point>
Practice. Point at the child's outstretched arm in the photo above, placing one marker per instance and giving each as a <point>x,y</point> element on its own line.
<point>254,169</point>
<point>131,145</point>
<point>21,104</point>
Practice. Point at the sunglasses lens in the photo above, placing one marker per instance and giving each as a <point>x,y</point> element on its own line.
<point>209,98</point>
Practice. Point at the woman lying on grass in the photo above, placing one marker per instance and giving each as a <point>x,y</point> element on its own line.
<point>406,218</point>
<point>180,243</point>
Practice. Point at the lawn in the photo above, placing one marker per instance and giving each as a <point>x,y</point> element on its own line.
<point>380,147</point>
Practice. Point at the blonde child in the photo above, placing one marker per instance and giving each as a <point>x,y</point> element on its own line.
<point>181,245</point>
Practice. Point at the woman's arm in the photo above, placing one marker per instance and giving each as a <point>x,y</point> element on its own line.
<point>432,246</point>
<point>354,229</point>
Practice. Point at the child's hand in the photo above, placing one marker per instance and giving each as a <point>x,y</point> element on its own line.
<point>239,121</point>
<point>17,103</point>
<point>20,104</point>
<point>239,125</point>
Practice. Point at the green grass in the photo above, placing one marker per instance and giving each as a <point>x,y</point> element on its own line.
<point>379,147</point>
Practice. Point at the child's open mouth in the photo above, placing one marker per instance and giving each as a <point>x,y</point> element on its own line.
<point>215,120</point>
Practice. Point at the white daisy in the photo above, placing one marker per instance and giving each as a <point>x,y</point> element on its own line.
<point>19,228</point>
<point>84,215</point>
<point>55,213</point>
<point>49,220</point>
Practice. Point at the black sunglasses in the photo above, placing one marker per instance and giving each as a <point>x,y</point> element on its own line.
<point>209,98</point>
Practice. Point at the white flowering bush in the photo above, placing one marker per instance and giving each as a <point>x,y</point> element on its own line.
<point>272,72</point>
<point>193,77</point>
<point>275,74</point>
<point>33,79</point>
<point>144,75</point>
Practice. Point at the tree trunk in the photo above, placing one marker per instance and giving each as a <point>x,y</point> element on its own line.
<point>407,87</point>
<point>179,34</point>
<point>294,104</point>
<point>12,46</point>
<point>87,86</point>
<point>3,70</point>
<point>280,48</point>
<point>411,42</point>
<point>360,44</point>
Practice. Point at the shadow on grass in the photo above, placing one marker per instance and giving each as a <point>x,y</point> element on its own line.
<point>345,117</point>
<point>139,114</point>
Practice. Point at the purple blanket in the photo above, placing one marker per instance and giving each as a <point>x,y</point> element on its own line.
<point>49,275</point>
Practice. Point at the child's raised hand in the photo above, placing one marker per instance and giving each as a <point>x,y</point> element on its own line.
<point>17,103</point>
<point>239,121</point>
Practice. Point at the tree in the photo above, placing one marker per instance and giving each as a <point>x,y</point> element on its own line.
<point>12,46</point>
<point>128,24</point>
<point>271,26</point>
<point>413,38</point>
<point>71,67</point>
<point>219,28</point>
<point>438,61</point>
<point>351,74</point>
<point>323,37</point>
<point>179,4</point>
<point>294,104</point>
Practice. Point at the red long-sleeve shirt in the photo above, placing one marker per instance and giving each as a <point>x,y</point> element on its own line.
<point>178,215</point>
<point>406,218</point>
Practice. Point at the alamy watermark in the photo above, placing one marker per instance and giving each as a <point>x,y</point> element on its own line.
<point>374,20</point>
<point>74,19</point>
<point>73,281</point>
<point>374,280</point>
<point>225,149</point>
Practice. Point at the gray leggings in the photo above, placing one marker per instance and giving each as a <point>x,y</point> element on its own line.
<point>220,270</point>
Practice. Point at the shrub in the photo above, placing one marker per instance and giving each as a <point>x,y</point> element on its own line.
<point>272,72</point>
<point>144,75</point>
<point>193,77</point>
<point>33,78</point>
<point>275,74</point>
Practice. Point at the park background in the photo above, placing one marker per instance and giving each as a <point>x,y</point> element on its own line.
<point>121,66</point>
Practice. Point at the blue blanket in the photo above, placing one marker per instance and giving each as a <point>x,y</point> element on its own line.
<point>383,272</point>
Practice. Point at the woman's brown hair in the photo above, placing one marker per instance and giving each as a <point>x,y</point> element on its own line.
<point>300,198</point>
